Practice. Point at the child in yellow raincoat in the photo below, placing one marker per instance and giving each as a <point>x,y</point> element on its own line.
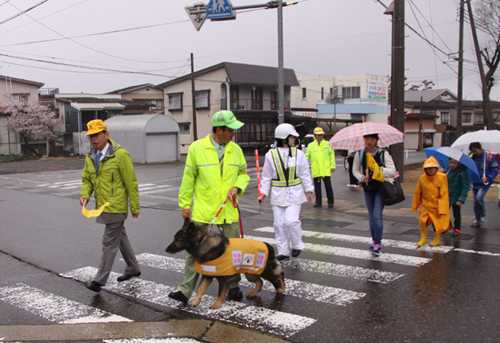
<point>432,201</point>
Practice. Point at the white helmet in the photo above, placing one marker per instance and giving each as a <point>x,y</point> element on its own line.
<point>284,130</point>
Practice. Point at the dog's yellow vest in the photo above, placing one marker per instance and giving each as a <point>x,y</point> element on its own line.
<point>245,256</point>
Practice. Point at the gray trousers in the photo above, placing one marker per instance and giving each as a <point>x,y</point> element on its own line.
<point>114,238</point>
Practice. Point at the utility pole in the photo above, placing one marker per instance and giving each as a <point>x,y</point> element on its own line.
<point>281,76</point>
<point>460,69</point>
<point>398,79</point>
<point>486,98</point>
<point>193,100</point>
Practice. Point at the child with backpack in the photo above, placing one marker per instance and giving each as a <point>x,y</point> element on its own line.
<point>458,187</point>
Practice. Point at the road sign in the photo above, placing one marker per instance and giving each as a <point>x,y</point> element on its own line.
<point>220,10</point>
<point>197,13</point>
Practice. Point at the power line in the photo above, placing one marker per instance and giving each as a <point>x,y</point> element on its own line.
<point>50,14</point>
<point>21,12</point>
<point>102,33</point>
<point>447,54</point>
<point>84,45</point>
<point>430,25</point>
<point>39,60</point>
<point>4,2</point>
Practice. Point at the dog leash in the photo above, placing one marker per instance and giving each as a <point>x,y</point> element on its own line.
<point>219,211</point>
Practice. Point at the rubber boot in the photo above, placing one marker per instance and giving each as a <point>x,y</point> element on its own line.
<point>436,241</point>
<point>423,237</point>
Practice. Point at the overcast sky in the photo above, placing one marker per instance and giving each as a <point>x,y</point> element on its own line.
<point>330,37</point>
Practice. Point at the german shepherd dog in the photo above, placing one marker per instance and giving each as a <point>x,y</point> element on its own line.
<point>208,242</point>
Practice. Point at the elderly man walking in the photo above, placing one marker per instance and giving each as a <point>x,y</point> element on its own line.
<point>322,159</point>
<point>109,175</point>
<point>214,175</point>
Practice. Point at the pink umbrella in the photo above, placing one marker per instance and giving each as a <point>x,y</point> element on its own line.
<point>351,137</point>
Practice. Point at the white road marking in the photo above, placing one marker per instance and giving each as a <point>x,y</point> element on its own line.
<point>152,340</point>
<point>70,187</point>
<point>405,260</point>
<point>260,318</point>
<point>141,185</point>
<point>486,253</point>
<point>67,182</point>
<point>53,307</point>
<point>300,289</point>
<point>161,188</point>
<point>365,240</point>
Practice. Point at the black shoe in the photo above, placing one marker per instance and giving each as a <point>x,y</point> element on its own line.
<point>126,277</point>
<point>317,206</point>
<point>235,294</point>
<point>94,286</point>
<point>330,205</point>
<point>282,257</point>
<point>296,252</point>
<point>179,296</point>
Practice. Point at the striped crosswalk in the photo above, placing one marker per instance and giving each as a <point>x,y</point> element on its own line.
<point>254,317</point>
<point>336,271</point>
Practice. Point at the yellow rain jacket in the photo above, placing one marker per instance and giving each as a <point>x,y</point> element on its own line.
<point>321,157</point>
<point>245,256</point>
<point>206,181</point>
<point>378,174</point>
<point>432,200</point>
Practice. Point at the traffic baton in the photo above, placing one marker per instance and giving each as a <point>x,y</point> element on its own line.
<point>257,167</point>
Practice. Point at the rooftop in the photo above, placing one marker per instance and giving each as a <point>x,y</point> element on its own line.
<point>240,73</point>
<point>24,81</point>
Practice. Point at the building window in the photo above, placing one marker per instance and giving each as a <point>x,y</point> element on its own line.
<point>467,118</point>
<point>235,97</point>
<point>257,100</point>
<point>322,93</point>
<point>478,119</point>
<point>304,93</point>
<point>21,98</point>
<point>274,100</point>
<point>175,102</point>
<point>445,118</point>
<point>185,128</point>
<point>202,99</point>
<point>223,97</point>
<point>351,92</point>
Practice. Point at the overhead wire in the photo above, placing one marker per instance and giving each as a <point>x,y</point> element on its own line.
<point>4,2</point>
<point>134,72</point>
<point>50,14</point>
<point>22,11</point>
<point>85,45</point>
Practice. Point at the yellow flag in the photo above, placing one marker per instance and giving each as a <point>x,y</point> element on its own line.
<point>93,213</point>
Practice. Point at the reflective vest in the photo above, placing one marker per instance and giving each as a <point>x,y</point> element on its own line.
<point>242,256</point>
<point>207,181</point>
<point>286,176</point>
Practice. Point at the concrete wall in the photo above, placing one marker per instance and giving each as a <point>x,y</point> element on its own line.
<point>313,85</point>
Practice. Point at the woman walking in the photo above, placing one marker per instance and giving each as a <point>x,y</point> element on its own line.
<point>372,166</point>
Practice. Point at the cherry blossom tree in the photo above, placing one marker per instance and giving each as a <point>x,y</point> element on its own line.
<point>34,123</point>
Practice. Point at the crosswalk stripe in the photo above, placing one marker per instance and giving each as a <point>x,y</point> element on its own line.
<point>53,307</point>
<point>159,190</point>
<point>66,182</point>
<point>141,185</point>
<point>301,289</point>
<point>405,260</point>
<point>261,318</point>
<point>152,340</point>
<point>365,240</point>
<point>152,188</point>
<point>69,187</point>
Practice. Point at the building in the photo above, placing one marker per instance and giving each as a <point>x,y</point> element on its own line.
<point>14,90</point>
<point>78,109</point>
<point>440,105</point>
<point>250,91</point>
<point>141,99</point>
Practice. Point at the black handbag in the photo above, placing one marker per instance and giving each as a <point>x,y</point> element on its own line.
<point>392,193</point>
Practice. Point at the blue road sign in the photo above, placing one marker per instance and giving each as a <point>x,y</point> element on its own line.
<point>220,10</point>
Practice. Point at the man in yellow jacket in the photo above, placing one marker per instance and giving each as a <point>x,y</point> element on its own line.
<point>214,175</point>
<point>322,159</point>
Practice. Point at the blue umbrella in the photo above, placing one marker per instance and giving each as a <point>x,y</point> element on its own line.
<point>443,155</point>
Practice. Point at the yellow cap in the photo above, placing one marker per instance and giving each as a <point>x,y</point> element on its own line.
<point>318,131</point>
<point>95,126</point>
<point>431,162</point>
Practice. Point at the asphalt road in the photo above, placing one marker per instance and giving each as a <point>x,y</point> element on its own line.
<point>339,293</point>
